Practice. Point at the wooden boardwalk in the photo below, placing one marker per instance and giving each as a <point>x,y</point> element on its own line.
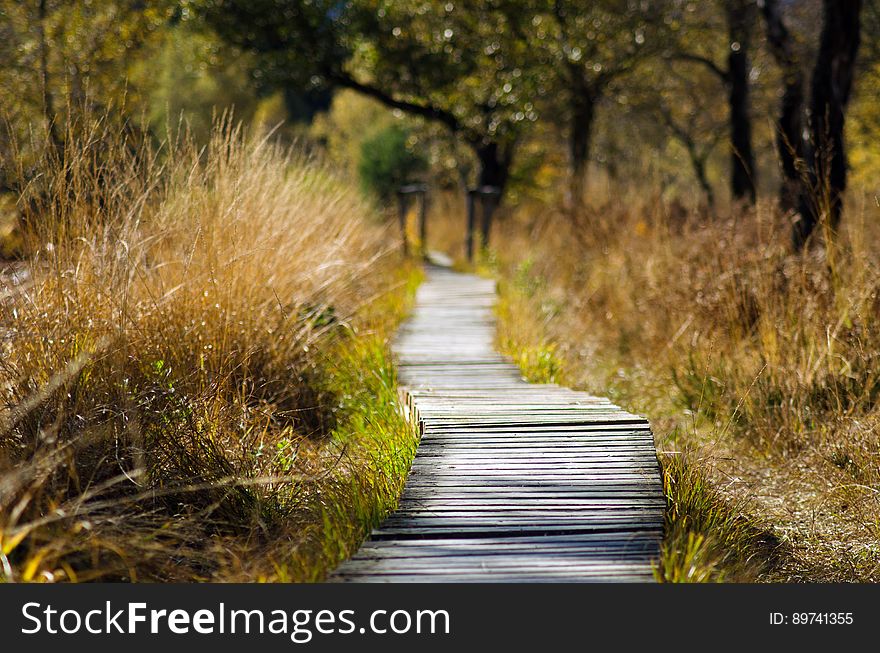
<point>512,481</point>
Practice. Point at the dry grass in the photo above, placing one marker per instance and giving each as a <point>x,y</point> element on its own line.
<point>195,385</point>
<point>758,368</point>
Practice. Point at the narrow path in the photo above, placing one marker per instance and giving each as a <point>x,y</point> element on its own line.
<point>512,481</point>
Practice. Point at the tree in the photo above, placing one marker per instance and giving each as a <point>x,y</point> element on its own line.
<point>738,17</point>
<point>831,84</point>
<point>190,75</point>
<point>61,55</point>
<point>585,47</point>
<point>789,125</point>
<point>697,141</point>
<point>462,67</point>
<point>863,114</point>
<point>675,112</point>
<point>387,162</point>
<point>739,22</point>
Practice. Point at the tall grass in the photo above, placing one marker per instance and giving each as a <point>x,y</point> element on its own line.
<point>184,382</point>
<point>758,367</point>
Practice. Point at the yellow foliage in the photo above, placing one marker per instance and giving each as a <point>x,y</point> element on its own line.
<point>351,120</point>
<point>863,133</point>
<point>11,243</point>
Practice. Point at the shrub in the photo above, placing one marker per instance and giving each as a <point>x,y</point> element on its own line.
<point>387,162</point>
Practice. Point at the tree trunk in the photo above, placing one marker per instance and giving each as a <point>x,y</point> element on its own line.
<point>45,91</point>
<point>789,128</point>
<point>831,86</point>
<point>742,179</point>
<point>494,161</point>
<point>698,163</point>
<point>583,113</point>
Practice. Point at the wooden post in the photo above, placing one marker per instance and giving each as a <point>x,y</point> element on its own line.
<point>469,240</point>
<point>489,196</point>
<point>401,217</point>
<point>403,194</point>
<point>488,201</point>
<point>423,223</point>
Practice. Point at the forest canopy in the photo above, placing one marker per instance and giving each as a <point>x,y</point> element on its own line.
<point>709,100</point>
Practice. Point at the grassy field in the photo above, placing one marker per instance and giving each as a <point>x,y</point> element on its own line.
<point>757,368</point>
<point>195,383</point>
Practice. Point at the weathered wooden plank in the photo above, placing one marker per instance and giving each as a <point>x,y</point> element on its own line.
<point>501,503</point>
<point>477,493</point>
<point>503,564</point>
<point>596,456</point>
<point>427,556</point>
<point>583,539</point>
<point>528,478</point>
<point>583,510</point>
<point>537,521</point>
<point>489,464</point>
<point>514,529</point>
<point>538,427</point>
<point>493,578</point>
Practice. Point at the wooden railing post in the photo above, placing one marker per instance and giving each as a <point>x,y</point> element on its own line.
<point>401,217</point>
<point>489,195</point>
<point>403,194</point>
<point>423,223</point>
<point>469,238</point>
<point>488,201</point>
